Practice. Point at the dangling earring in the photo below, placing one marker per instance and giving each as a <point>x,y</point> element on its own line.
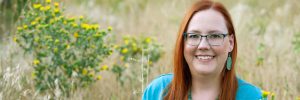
<point>229,61</point>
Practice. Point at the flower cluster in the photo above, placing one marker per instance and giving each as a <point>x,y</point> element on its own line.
<point>66,50</point>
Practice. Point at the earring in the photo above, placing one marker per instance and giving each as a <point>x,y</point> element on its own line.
<point>229,62</point>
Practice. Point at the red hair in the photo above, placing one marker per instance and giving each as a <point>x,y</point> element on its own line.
<point>181,83</point>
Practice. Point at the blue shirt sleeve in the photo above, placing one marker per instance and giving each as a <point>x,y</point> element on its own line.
<point>247,91</point>
<point>155,89</point>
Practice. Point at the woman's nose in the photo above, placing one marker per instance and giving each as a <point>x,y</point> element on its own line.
<point>203,44</point>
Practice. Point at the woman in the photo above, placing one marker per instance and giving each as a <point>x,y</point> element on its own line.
<point>204,60</point>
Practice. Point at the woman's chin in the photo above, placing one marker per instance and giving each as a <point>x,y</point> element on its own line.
<point>201,69</point>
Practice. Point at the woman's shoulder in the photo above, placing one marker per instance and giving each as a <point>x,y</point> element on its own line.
<point>163,79</point>
<point>247,91</point>
<point>156,87</point>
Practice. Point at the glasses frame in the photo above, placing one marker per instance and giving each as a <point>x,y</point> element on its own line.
<point>223,34</point>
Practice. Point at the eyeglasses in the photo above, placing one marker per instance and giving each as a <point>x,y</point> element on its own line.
<point>214,39</point>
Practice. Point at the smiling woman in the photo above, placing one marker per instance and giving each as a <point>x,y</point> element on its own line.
<point>204,60</point>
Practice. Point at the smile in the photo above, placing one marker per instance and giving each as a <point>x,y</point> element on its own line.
<point>204,57</point>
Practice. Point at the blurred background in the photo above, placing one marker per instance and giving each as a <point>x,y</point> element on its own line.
<point>268,37</point>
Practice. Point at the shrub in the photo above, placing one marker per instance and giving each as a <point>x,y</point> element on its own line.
<point>67,51</point>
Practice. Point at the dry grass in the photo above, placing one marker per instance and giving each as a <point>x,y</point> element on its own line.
<point>272,23</point>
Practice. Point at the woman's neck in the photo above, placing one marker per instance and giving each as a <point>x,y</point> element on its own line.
<point>206,87</point>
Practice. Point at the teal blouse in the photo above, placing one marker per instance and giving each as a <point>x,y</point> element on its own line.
<point>154,90</point>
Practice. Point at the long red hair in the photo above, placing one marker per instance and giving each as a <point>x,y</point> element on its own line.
<point>181,83</point>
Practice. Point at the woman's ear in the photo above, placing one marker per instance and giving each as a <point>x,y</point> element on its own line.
<point>231,42</point>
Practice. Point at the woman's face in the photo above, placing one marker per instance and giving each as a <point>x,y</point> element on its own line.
<point>205,58</point>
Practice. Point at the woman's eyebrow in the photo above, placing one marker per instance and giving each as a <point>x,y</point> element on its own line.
<point>210,31</point>
<point>213,31</point>
<point>195,31</point>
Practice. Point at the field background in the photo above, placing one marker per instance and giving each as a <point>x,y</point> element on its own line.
<point>265,31</point>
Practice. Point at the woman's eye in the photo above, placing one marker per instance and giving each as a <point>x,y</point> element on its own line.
<point>215,36</point>
<point>193,36</point>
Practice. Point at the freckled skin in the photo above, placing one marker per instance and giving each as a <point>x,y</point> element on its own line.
<point>203,22</point>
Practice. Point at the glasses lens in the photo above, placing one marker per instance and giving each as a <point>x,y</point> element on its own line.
<point>215,39</point>
<point>193,39</point>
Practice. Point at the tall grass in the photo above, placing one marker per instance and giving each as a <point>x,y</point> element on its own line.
<point>265,30</point>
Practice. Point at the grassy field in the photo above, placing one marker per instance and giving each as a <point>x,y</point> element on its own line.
<point>265,33</point>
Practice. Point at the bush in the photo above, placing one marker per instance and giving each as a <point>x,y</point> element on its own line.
<point>67,51</point>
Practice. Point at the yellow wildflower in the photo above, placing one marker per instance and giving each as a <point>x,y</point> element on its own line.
<point>48,1</point>
<point>47,8</point>
<point>33,23</point>
<point>148,40</point>
<point>133,44</point>
<point>76,35</point>
<point>38,19</point>
<point>19,28</point>
<point>81,17</point>
<point>116,46</point>
<point>68,46</point>
<point>52,21</point>
<point>126,41</point>
<point>56,4</point>
<point>65,22</point>
<point>15,39</point>
<point>42,8</point>
<point>56,41</point>
<point>104,67</point>
<point>36,62</point>
<point>265,93</point>
<point>124,51</point>
<point>74,24</point>
<point>25,26</point>
<point>95,26</point>
<point>84,72</point>
<point>37,6</point>
<point>134,48</point>
<point>86,26</point>
<point>99,77</point>
<point>272,96</point>
<point>56,10</point>
<point>109,28</point>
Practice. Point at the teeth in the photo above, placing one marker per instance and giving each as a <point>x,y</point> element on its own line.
<point>204,57</point>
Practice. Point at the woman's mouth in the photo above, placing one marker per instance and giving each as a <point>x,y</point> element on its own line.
<point>204,57</point>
